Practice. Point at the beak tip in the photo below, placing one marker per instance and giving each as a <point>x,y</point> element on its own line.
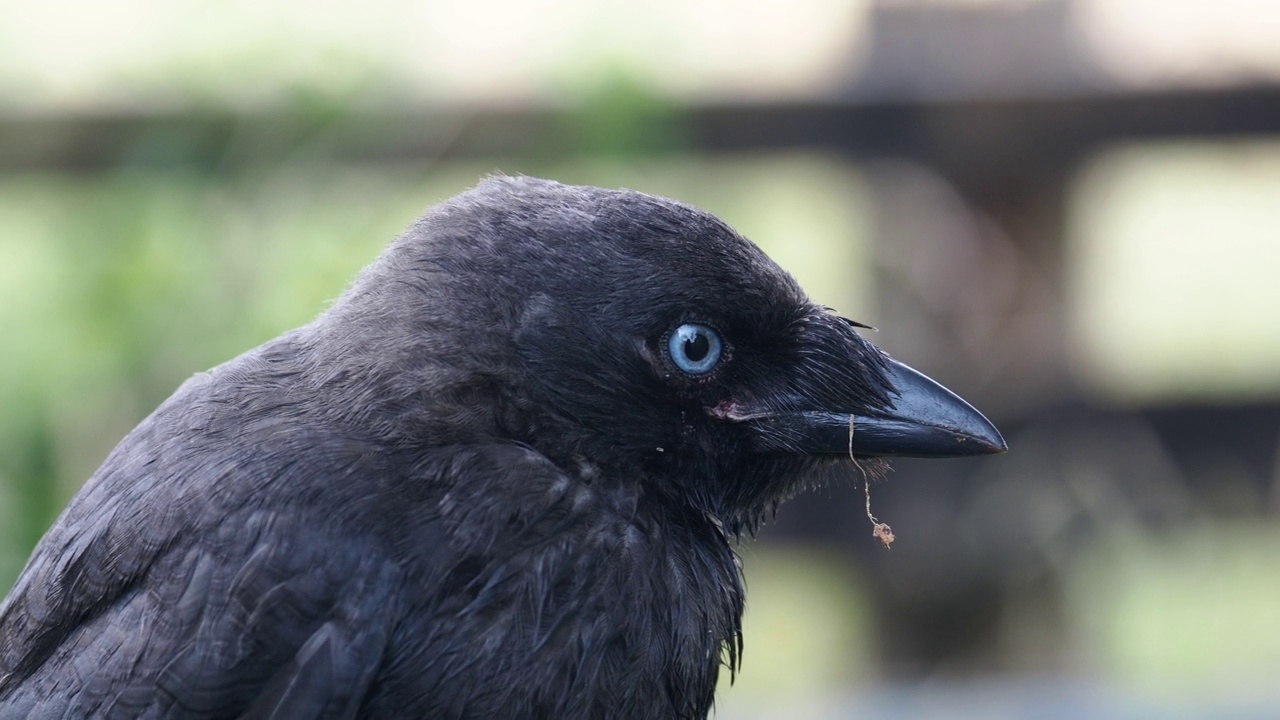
<point>988,445</point>
<point>986,441</point>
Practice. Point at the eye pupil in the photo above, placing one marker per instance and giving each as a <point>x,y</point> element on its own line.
<point>694,348</point>
<point>697,348</point>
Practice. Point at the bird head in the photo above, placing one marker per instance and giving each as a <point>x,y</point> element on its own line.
<point>632,336</point>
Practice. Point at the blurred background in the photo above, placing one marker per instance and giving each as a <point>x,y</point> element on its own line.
<point>1066,210</point>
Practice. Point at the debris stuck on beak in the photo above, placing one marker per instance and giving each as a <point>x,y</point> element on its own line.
<point>880,531</point>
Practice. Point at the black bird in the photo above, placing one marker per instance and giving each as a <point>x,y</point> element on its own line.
<point>501,477</point>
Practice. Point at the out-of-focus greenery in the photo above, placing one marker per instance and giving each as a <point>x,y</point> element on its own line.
<point>1187,614</point>
<point>116,289</point>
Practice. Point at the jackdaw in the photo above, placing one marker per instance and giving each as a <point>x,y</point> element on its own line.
<point>502,476</point>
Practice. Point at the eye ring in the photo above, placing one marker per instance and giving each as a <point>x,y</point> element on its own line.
<point>694,348</point>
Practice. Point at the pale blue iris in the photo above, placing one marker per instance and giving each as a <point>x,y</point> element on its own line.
<point>694,348</point>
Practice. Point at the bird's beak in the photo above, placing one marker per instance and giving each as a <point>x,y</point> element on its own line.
<point>924,420</point>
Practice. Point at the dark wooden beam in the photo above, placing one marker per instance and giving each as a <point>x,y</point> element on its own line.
<point>980,137</point>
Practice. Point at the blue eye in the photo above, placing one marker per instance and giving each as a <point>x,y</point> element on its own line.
<point>694,348</point>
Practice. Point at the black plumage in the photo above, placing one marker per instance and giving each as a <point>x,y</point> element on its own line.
<point>480,485</point>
